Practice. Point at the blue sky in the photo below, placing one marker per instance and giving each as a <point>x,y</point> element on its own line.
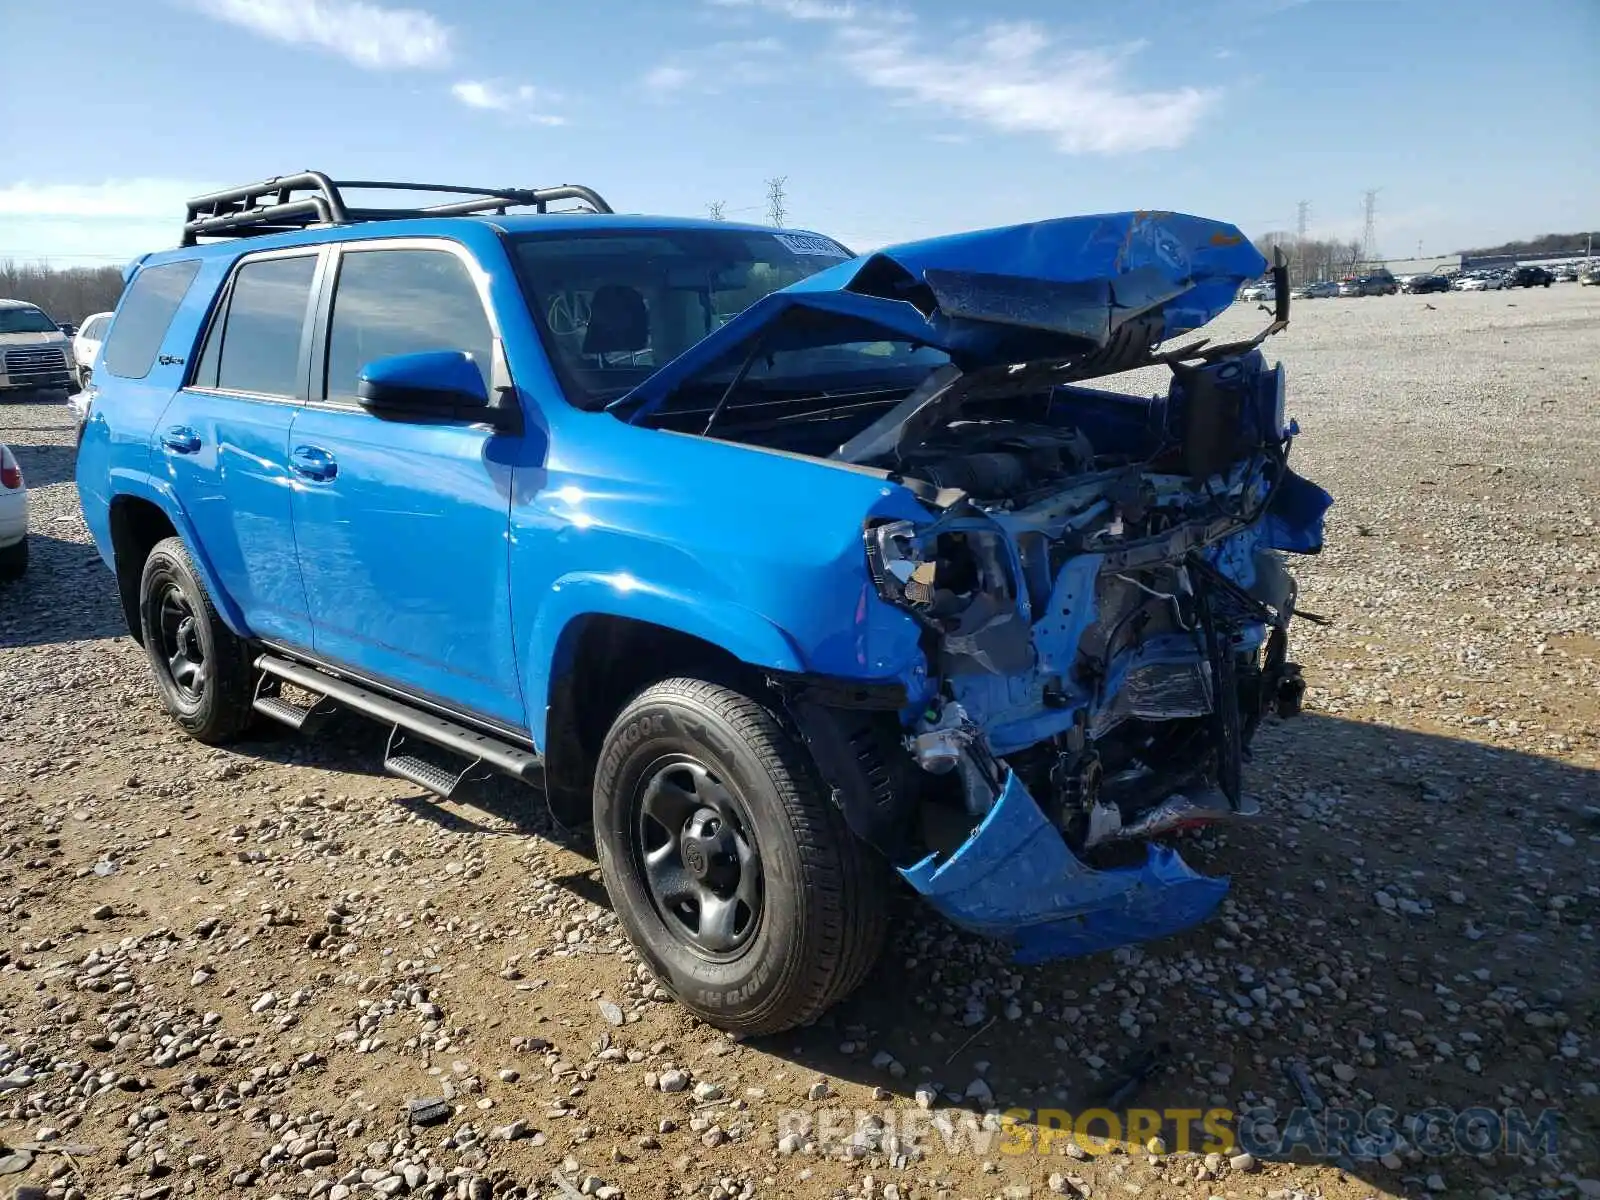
<point>1479,120</point>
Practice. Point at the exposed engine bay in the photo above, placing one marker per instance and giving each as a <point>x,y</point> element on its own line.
<point>1107,615</point>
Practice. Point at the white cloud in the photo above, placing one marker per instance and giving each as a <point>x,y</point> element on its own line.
<point>369,35</point>
<point>522,100</point>
<point>115,199</point>
<point>797,10</point>
<point>1011,77</point>
<point>86,224</point>
<point>667,78</point>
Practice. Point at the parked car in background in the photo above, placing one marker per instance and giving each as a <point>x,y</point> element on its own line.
<point>1259,291</point>
<point>543,493</point>
<point>1378,283</point>
<point>1350,287</point>
<point>1566,274</point>
<point>1320,289</point>
<point>1418,285</point>
<point>1530,277</point>
<point>68,328</point>
<point>86,346</point>
<point>34,353</point>
<point>1589,276</point>
<point>13,517</point>
<point>1472,283</point>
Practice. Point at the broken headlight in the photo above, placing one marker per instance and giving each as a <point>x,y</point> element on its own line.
<point>939,572</point>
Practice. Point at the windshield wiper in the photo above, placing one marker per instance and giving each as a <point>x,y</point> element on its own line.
<point>756,347</point>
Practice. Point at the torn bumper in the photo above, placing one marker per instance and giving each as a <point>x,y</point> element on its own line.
<point>1015,878</point>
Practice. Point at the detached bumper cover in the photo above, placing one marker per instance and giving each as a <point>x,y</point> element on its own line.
<point>1015,878</point>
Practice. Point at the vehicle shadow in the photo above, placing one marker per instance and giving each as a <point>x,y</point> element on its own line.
<point>1415,1000</point>
<point>43,465</point>
<point>67,595</point>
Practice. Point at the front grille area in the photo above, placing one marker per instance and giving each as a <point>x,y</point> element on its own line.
<point>40,364</point>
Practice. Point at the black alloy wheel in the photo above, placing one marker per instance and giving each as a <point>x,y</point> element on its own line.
<point>698,856</point>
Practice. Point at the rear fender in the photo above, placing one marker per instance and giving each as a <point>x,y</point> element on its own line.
<point>144,486</point>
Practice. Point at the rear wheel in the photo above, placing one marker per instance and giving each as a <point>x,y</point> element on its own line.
<point>202,668</point>
<point>734,877</point>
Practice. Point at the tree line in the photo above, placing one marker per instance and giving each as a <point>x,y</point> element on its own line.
<point>65,293</point>
<point>1545,243</point>
<point>1312,259</point>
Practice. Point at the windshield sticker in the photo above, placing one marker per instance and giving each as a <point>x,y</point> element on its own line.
<point>800,243</point>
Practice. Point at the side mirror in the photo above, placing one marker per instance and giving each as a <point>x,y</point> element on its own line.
<point>444,383</point>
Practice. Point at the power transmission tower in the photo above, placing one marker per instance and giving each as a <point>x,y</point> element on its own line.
<point>1369,247</point>
<point>775,206</point>
<point>1302,219</point>
<point>716,209</point>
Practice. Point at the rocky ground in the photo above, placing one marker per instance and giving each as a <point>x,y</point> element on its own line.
<point>270,971</point>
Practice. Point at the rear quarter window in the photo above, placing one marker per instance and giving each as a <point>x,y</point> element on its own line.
<point>143,317</point>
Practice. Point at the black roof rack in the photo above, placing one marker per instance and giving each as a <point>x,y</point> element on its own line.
<point>292,202</point>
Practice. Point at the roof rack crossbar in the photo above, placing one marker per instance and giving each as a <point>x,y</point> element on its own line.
<point>273,206</point>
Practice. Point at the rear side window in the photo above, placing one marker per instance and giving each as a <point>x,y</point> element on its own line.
<point>95,330</point>
<point>255,345</point>
<point>146,312</point>
<point>401,302</point>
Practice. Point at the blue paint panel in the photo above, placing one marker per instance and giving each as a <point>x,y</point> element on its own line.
<point>761,554</point>
<point>233,485</point>
<point>403,549</point>
<point>1015,878</point>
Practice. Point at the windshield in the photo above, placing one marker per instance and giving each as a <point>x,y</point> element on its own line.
<point>616,304</point>
<point>25,320</point>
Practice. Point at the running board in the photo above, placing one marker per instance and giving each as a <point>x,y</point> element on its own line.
<point>515,761</point>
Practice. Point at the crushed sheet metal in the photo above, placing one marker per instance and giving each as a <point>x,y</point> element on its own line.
<point>1015,878</point>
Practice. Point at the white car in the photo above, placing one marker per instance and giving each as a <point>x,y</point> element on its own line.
<point>13,517</point>
<point>86,346</point>
<point>1472,283</point>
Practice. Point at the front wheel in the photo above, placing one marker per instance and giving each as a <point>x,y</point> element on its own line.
<point>202,668</point>
<point>732,874</point>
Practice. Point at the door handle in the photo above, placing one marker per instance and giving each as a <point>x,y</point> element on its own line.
<point>180,439</point>
<point>313,462</point>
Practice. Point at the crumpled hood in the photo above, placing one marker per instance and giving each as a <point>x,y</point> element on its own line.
<point>1048,289</point>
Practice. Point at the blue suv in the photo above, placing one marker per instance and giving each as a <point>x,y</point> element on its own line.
<point>797,573</point>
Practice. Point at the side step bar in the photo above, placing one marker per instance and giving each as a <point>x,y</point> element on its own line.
<point>515,761</point>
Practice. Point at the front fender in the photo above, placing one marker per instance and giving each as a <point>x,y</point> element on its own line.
<point>742,632</point>
<point>142,485</point>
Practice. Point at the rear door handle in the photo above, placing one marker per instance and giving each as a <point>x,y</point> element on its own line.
<point>180,439</point>
<point>313,462</point>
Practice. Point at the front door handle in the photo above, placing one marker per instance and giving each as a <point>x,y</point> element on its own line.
<point>180,439</point>
<point>313,462</point>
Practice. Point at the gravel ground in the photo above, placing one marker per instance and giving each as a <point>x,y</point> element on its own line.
<point>227,972</point>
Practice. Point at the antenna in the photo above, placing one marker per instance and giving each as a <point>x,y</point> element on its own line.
<point>776,211</point>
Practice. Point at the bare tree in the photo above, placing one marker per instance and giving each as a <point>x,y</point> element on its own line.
<point>716,210</point>
<point>776,210</point>
<point>65,293</point>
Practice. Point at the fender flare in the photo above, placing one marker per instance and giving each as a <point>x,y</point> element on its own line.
<point>142,485</point>
<point>742,632</point>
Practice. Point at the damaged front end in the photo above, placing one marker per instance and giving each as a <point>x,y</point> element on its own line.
<point>1107,615</point>
<point>1098,577</point>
